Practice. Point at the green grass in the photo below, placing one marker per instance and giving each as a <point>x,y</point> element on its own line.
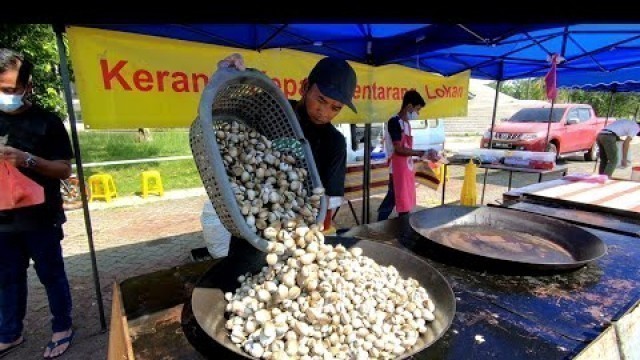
<point>109,146</point>
<point>100,146</point>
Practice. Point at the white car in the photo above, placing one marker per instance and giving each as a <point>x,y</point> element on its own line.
<point>427,134</point>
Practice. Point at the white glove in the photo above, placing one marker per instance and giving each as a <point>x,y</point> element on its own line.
<point>335,201</point>
<point>234,60</point>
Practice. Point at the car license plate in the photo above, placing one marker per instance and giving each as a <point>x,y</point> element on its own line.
<point>501,145</point>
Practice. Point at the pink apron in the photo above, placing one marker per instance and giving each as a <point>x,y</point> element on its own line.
<point>404,182</point>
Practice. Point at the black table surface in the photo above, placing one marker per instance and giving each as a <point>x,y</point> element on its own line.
<point>499,313</point>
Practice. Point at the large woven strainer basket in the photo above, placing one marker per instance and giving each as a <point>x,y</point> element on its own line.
<point>251,98</point>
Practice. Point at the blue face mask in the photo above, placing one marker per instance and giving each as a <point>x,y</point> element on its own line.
<point>10,103</point>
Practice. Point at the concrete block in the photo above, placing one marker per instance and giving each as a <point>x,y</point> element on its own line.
<point>604,347</point>
<point>628,333</point>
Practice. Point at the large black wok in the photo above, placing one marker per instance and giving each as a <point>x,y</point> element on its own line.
<point>508,238</point>
<point>208,303</point>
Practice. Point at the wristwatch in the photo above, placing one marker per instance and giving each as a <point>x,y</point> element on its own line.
<point>30,161</point>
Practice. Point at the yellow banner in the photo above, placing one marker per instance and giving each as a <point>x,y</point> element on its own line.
<point>127,80</point>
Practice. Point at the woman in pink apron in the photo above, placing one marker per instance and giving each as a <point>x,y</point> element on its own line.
<point>399,143</point>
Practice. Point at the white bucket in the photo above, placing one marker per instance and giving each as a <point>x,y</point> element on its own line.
<point>216,236</point>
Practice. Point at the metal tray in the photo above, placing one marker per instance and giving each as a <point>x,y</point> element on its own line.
<point>511,238</point>
<point>208,303</point>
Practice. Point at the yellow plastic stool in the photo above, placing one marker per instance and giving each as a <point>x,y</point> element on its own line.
<point>102,187</point>
<point>151,183</point>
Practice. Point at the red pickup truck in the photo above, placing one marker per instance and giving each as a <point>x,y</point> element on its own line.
<point>573,130</point>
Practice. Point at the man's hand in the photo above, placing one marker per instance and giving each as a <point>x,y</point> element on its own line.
<point>232,61</point>
<point>14,156</point>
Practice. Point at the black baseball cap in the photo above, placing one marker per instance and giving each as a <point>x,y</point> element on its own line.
<point>336,79</point>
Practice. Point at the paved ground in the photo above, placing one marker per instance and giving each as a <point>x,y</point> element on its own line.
<point>133,236</point>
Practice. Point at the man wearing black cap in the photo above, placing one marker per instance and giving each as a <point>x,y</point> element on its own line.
<point>328,88</point>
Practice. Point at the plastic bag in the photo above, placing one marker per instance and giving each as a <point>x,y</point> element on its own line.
<point>17,190</point>
<point>591,178</point>
<point>426,174</point>
<point>216,236</point>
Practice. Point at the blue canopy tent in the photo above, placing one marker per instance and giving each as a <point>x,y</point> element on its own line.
<point>491,51</point>
<point>625,80</point>
<point>586,48</point>
<point>374,44</point>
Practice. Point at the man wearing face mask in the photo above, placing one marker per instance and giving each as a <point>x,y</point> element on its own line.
<point>328,88</point>
<point>34,141</point>
<point>399,144</point>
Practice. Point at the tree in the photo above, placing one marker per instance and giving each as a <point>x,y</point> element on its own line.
<point>38,43</point>
<point>624,104</point>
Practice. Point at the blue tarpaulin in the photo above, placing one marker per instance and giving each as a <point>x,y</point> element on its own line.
<point>490,51</point>
<point>586,48</point>
<point>626,80</point>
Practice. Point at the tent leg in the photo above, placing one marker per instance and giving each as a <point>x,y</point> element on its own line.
<point>546,142</point>
<point>76,146</point>
<point>366,174</point>
<point>493,123</point>
<point>484,184</point>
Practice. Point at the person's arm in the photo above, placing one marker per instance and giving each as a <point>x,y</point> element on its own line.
<point>401,150</point>
<point>55,145</point>
<point>57,169</point>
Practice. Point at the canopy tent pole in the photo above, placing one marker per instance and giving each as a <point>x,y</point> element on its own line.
<point>606,120</point>
<point>366,174</point>
<point>546,142</point>
<point>635,115</point>
<point>493,123</point>
<point>64,70</point>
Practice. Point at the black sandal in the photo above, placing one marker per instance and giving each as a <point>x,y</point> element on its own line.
<point>10,349</point>
<point>54,344</point>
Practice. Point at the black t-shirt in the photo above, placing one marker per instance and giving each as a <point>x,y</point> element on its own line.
<point>394,129</point>
<point>329,149</point>
<point>42,134</point>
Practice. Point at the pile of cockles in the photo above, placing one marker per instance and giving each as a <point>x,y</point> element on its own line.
<point>268,185</point>
<point>311,300</point>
